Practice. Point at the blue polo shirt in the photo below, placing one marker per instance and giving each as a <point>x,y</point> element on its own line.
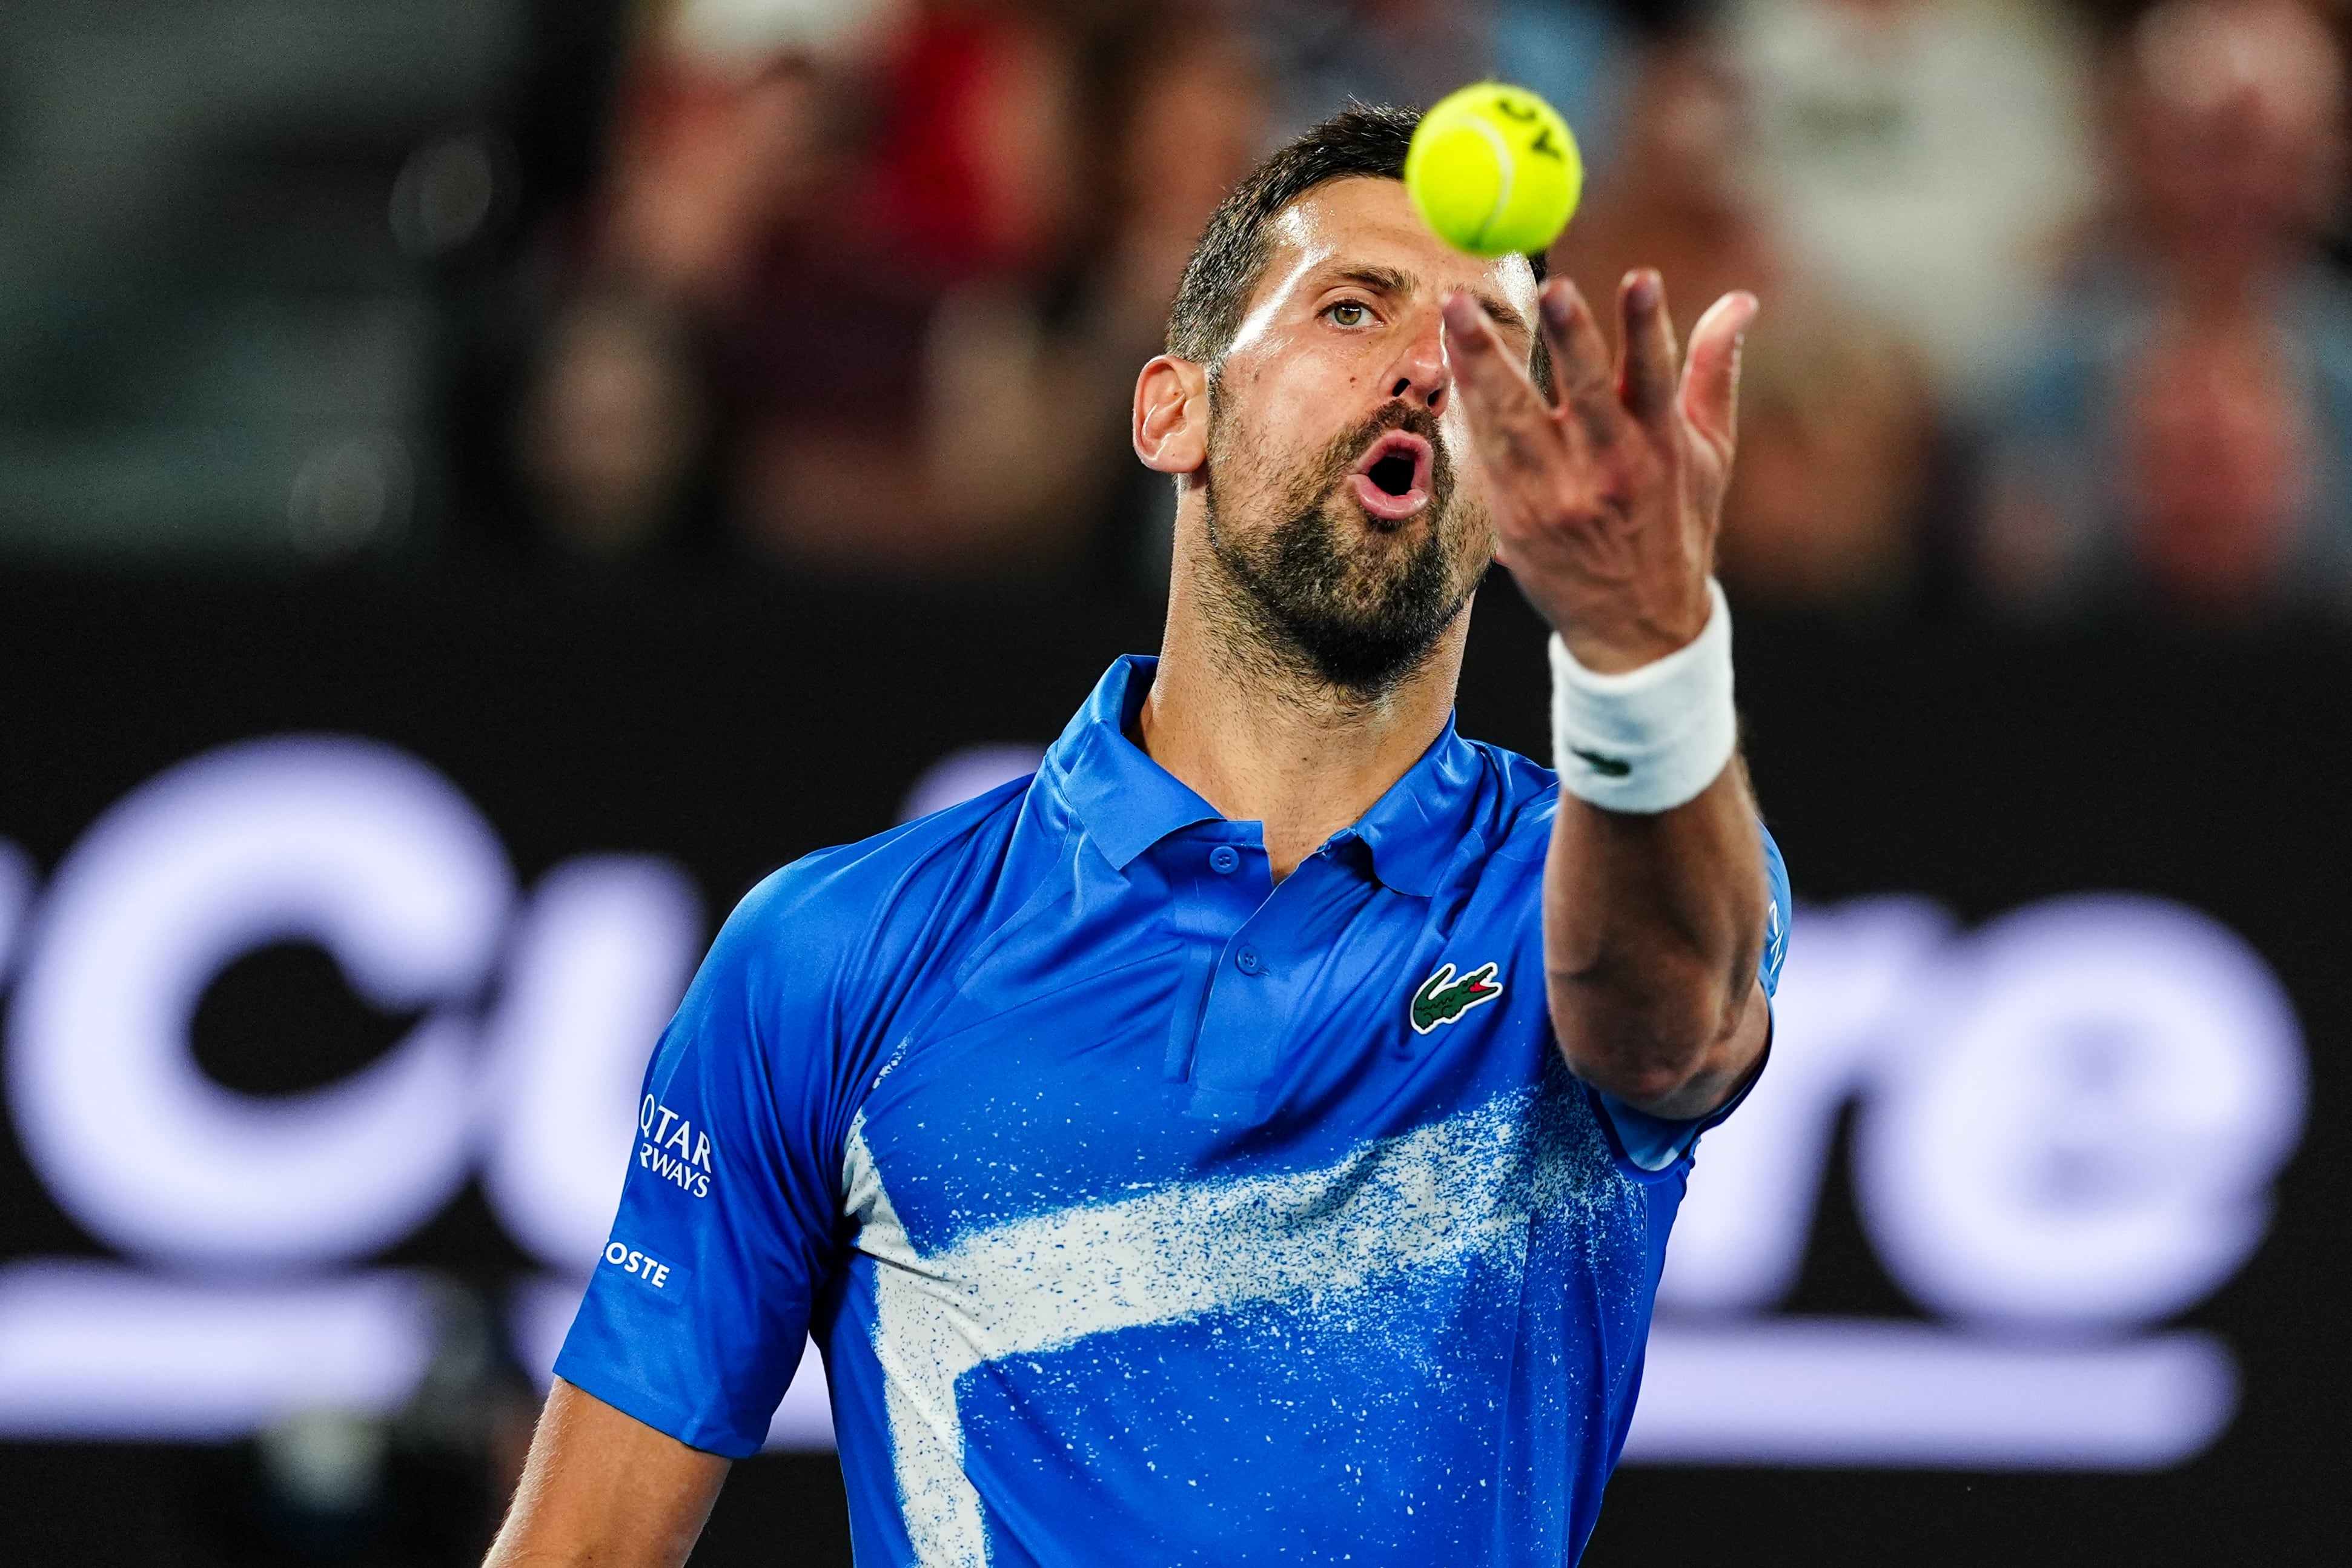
<point>1146,1211</point>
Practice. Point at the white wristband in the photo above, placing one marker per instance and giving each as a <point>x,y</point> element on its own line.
<point>1654,737</point>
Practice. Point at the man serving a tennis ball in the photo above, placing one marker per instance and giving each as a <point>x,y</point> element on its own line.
<point>1255,1137</point>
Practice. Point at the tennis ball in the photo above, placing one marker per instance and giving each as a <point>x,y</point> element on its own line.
<point>1494,170</point>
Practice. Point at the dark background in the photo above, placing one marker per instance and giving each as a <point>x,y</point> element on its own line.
<point>736,729</point>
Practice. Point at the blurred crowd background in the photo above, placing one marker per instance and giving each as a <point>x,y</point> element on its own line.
<point>2057,322</point>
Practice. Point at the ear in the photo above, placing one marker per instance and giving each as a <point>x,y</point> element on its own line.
<point>1171,415</point>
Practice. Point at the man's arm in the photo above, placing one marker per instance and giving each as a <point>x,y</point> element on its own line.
<point>603,1488</point>
<point>1606,503</point>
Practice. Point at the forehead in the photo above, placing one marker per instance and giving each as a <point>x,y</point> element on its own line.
<point>1365,221</point>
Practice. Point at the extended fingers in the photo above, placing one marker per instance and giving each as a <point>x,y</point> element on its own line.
<point>1483,368</point>
<point>1504,411</point>
<point>1580,354</point>
<point>1647,382</point>
<point>1710,394</point>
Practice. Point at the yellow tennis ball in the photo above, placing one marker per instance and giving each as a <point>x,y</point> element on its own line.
<point>1494,170</point>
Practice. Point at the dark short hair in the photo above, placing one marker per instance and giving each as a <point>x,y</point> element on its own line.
<point>1232,256</point>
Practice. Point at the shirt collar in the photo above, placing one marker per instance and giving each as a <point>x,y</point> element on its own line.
<point>1127,802</point>
<point>1413,830</point>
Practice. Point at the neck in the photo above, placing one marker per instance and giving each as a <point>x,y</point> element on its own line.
<point>1244,723</point>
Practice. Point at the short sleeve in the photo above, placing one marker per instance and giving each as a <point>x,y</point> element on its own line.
<point>1655,1142</point>
<point>698,1313</point>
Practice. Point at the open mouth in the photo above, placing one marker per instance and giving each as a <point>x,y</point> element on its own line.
<point>1392,479</point>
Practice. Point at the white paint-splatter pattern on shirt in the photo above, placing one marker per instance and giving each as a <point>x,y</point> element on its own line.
<point>1439,1197</point>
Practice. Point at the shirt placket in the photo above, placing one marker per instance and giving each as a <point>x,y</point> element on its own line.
<point>1249,984</point>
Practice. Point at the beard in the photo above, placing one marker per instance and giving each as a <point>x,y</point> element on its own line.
<point>1337,594</point>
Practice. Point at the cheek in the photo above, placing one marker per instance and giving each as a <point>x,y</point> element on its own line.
<point>1478,543</point>
<point>1468,518</point>
<point>1257,452</point>
<point>1300,422</point>
<point>1299,382</point>
<point>1242,463</point>
<point>1453,423</point>
<point>1469,473</point>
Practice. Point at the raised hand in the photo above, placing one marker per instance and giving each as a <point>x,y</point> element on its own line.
<point>1607,499</point>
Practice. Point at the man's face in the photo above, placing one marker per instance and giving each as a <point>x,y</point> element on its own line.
<point>1341,502</point>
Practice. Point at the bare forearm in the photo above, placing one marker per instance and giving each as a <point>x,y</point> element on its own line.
<point>1606,501</point>
<point>1653,928</point>
<point>601,1488</point>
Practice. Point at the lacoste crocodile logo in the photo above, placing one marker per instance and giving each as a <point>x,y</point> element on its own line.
<point>1606,767</point>
<point>1443,999</point>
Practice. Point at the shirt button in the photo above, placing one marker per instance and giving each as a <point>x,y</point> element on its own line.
<point>1223,858</point>
<point>1247,959</point>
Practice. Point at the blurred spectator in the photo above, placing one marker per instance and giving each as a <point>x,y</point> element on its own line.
<point>1837,449</point>
<point>975,374</point>
<point>617,429</point>
<point>2181,442</point>
<point>1194,106</point>
<point>979,163</point>
<point>730,125</point>
<point>1836,420</point>
<point>1927,158</point>
<point>927,248</point>
<point>711,151</point>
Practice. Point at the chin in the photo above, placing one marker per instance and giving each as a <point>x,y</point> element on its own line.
<point>1378,534</point>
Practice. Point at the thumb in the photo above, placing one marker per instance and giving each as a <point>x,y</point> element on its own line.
<point>1710,390</point>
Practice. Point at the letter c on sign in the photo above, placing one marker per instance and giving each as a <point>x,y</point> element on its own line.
<point>344,842</point>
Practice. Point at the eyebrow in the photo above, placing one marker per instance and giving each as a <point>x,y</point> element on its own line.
<point>1388,280</point>
<point>1385,279</point>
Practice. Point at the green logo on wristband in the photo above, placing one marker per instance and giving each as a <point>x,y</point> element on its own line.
<point>1606,767</point>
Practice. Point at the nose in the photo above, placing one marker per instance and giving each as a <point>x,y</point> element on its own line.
<point>1420,374</point>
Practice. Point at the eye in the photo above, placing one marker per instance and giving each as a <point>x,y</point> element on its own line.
<point>1349,313</point>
